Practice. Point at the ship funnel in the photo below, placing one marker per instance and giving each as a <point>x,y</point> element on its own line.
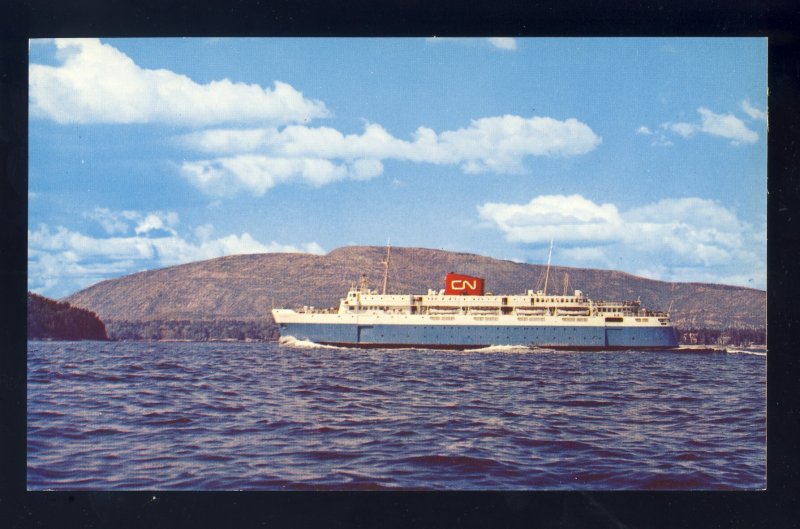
<point>462,285</point>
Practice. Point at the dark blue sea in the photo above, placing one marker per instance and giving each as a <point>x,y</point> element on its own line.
<point>264,416</point>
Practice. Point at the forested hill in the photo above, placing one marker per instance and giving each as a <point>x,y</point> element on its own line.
<point>48,319</point>
<point>220,297</point>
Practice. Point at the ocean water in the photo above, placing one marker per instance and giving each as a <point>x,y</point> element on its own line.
<point>265,416</point>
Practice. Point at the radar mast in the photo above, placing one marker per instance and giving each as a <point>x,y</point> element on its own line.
<point>547,273</point>
<point>386,266</point>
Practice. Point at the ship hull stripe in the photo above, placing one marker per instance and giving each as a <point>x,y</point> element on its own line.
<point>473,336</point>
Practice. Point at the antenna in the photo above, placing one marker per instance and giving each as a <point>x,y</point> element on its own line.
<point>671,298</point>
<point>386,266</point>
<point>547,273</point>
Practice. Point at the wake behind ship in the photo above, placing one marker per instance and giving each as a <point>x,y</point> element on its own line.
<point>462,316</point>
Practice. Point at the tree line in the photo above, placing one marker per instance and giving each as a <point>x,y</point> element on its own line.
<point>194,330</point>
<point>49,319</point>
<point>729,336</point>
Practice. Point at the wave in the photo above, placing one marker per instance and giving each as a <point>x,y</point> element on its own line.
<point>538,349</point>
<point>291,341</point>
<point>508,349</point>
<point>746,352</point>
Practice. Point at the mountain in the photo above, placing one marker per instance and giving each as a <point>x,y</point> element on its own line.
<point>49,319</point>
<point>240,290</point>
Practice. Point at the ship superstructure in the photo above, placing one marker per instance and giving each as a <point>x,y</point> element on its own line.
<point>462,316</point>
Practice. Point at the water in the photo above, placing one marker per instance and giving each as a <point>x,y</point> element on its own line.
<point>256,416</point>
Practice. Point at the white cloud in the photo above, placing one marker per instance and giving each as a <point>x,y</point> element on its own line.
<point>158,222</point>
<point>266,157</point>
<point>503,43</point>
<point>553,217</point>
<point>61,261</point>
<point>700,231</point>
<point>644,130</point>
<point>256,174</point>
<point>726,126</point>
<point>673,239</point>
<point>111,221</point>
<point>120,222</point>
<point>97,83</point>
<point>684,130</point>
<point>722,125</point>
<point>227,141</point>
<point>499,143</point>
<point>510,137</point>
<point>753,112</point>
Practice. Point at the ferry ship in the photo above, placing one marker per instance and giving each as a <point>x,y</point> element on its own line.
<point>463,316</point>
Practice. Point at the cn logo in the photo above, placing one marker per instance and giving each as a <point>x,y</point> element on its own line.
<point>463,284</point>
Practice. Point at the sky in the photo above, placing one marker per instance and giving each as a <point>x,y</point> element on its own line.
<point>645,155</point>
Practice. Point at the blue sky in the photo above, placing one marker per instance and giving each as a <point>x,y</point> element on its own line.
<point>641,155</point>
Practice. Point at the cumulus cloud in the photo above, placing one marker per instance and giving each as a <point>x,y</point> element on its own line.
<point>726,126</point>
<point>753,112</point>
<point>112,221</point>
<point>552,217</point>
<point>120,222</point>
<point>685,239</point>
<point>644,131</point>
<point>500,141</point>
<point>503,43</point>
<point>721,125</point>
<point>256,173</point>
<point>97,83</point>
<point>263,158</point>
<point>157,222</point>
<point>61,261</point>
<point>94,82</point>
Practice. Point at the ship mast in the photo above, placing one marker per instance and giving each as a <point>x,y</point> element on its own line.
<point>386,267</point>
<point>547,273</point>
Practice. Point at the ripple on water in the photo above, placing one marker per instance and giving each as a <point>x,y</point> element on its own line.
<point>194,416</point>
